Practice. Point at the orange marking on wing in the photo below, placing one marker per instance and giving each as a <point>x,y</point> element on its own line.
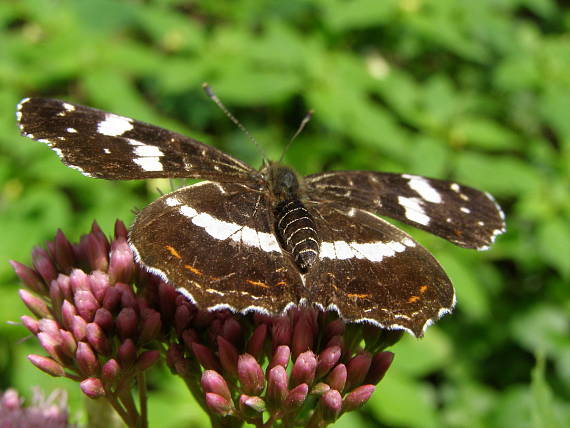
<point>358,296</point>
<point>413,299</point>
<point>423,289</point>
<point>280,284</point>
<point>173,251</point>
<point>193,270</point>
<point>258,283</point>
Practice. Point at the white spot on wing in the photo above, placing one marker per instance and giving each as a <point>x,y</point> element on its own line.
<point>149,163</point>
<point>173,201</point>
<point>114,126</point>
<point>465,210</point>
<point>71,130</point>
<point>372,251</point>
<point>414,210</point>
<point>423,188</point>
<point>68,107</point>
<point>106,151</point>
<point>147,151</point>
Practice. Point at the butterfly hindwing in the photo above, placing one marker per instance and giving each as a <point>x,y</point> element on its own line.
<point>214,243</point>
<point>463,215</point>
<point>105,145</point>
<point>371,271</point>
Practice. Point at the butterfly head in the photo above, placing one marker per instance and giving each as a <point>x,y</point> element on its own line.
<point>282,181</point>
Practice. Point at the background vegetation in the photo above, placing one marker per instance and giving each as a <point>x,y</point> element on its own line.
<point>475,91</point>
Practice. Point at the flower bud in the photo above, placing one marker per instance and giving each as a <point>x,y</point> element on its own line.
<point>31,324</point>
<point>86,304</point>
<point>68,343</point>
<point>151,325</point>
<point>205,357</point>
<point>331,404</point>
<point>212,381</point>
<point>380,364</point>
<point>112,298</point>
<point>79,328</point>
<point>303,334</point>
<point>29,277</point>
<point>86,359</point>
<point>304,369</point>
<point>47,365</point>
<point>276,386</point>
<point>92,387</point>
<point>280,357</point>
<point>104,319</point>
<point>281,331</point>
<point>250,375</point>
<point>78,281</point>
<point>127,323</point>
<point>337,377</point>
<point>68,312</point>
<point>228,356</point>
<point>97,339</point>
<point>147,359</point>
<point>232,331</point>
<point>98,285</point>
<point>251,407</point>
<point>257,340</point>
<point>218,404</point>
<point>120,230</point>
<point>63,252</point>
<point>127,353</point>
<point>44,265</point>
<point>36,305</point>
<point>328,358</point>
<point>110,372</point>
<point>121,264</point>
<point>296,397</point>
<point>357,397</point>
<point>357,369</point>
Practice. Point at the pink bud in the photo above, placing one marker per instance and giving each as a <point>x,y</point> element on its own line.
<point>34,304</point>
<point>97,339</point>
<point>52,345</point>
<point>121,264</point>
<point>151,325</point>
<point>127,322</point>
<point>95,251</point>
<point>320,388</point>
<point>182,318</point>
<point>110,372</point>
<point>218,404</point>
<point>112,298</point>
<point>79,328</point>
<point>256,341</point>
<point>127,353</point>
<point>128,298</point>
<point>250,375</point>
<point>334,328</point>
<point>357,369</point>
<point>228,356</point>
<point>331,404</point>
<point>205,357</point>
<point>98,285</point>
<point>68,312</point>
<point>337,377</point>
<point>55,294</point>
<point>86,359</point>
<point>281,331</point>
<point>296,397</point>
<point>380,364</point>
<point>251,406</point>
<point>68,343</point>
<point>120,230</point>
<point>276,386</point>
<point>49,326</point>
<point>78,281</point>
<point>147,359</point>
<point>44,265</point>
<point>29,277</point>
<point>31,324</point>
<point>104,319</point>
<point>357,397</point>
<point>92,387</point>
<point>304,369</point>
<point>232,331</point>
<point>64,284</point>
<point>212,381</point>
<point>327,360</point>
<point>280,357</point>
<point>47,365</point>
<point>303,334</point>
<point>86,304</point>
<point>63,250</point>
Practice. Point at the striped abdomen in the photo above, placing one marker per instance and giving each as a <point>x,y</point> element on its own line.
<point>296,230</point>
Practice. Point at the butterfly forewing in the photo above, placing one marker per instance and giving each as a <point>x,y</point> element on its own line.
<point>463,215</point>
<point>105,145</point>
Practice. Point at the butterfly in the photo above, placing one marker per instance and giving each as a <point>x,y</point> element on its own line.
<point>267,240</point>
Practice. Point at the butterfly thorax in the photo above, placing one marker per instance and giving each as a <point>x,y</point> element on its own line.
<point>294,224</point>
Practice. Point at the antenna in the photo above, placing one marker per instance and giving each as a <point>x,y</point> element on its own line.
<point>230,116</point>
<point>305,120</point>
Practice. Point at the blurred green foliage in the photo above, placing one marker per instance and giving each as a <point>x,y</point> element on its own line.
<point>475,91</point>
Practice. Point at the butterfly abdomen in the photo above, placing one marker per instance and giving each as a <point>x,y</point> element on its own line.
<point>297,232</point>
